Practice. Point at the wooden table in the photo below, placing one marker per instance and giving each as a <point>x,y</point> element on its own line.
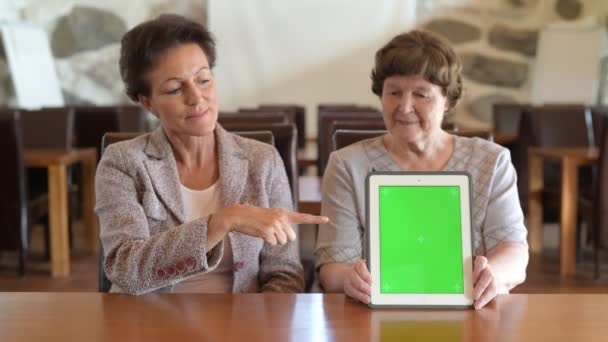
<point>284,317</point>
<point>309,188</point>
<point>56,162</point>
<point>571,159</point>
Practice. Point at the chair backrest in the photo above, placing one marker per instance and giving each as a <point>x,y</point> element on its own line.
<point>599,115</point>
<point>132,119</point>
<point>48,128</point>
<point>255,118</point>
<point>91,123</point>
<point>345,137</point>
<point>300,118</point>
<point>344,107</point>
<point>285,141</point>
<point>325,132</point>
<point>562,126</point>
<point>290,115</point>
<point>507,116</point>
<point>374,125</point>
<point>262,136</point>
<point>362,125</point>
<point>13,196</point>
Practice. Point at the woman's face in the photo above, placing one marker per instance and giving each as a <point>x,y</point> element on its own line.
<point>182,91</point>
<point>412,108</point>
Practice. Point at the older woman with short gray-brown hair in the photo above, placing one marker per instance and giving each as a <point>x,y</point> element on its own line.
<point>417,76</point>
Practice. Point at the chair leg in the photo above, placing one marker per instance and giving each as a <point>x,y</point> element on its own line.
<point>21,264</point>
<point>70,233</point>
<point>596,256</point>
<point>22,258</point>
<point>47,238</point>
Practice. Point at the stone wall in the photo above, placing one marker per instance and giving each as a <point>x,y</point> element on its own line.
<point>496,39</point>
<point>84,37</point>
<point>497,42</point>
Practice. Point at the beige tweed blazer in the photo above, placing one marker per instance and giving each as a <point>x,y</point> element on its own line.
<point>148,246</point>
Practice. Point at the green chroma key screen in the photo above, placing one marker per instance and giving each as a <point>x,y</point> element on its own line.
<point>420,240</point>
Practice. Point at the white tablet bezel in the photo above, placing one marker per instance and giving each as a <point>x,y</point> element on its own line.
<point>373,182</point>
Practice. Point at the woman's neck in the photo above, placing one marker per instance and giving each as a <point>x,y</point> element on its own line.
<point>193,151</point>
<point>196,159</point>
<point>431,154</point>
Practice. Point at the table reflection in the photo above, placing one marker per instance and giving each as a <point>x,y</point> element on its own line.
<point>498,321</point>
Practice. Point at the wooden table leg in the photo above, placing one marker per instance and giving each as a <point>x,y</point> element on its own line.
<point>88,203</point>
<point>568,217</point>
<point>535,204</point>
<point>58,218</point>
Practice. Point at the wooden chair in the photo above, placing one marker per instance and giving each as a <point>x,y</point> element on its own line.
<point>600,202</point>
<point>132,119</point>
<point>507,117</point>
<point>594,205</point>
<point>346,137</point>
<point>48,128</point>
<point>92,122</point>
<point>16,209</point>
<point>299,118</point>
<point>555,126</point>
<point>255,118</point>
<point>290,115</point>
<point>285,141</point>
<point>262,136</point>
<point>325,132</point>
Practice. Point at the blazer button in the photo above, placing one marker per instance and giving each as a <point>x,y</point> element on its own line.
<point>170,271</point>
<point>160,273</point>
<point>190,262</point>
<point>181,266</point>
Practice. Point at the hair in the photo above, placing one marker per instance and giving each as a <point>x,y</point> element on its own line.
<point>420,52</point>
<point>142,46</point>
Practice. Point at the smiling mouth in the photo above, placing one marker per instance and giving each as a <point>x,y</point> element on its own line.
<point>197,114</point>
<point>407,122</point>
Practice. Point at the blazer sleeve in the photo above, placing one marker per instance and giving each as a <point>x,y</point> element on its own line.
<point>135,261</point>
<point>280,266</point>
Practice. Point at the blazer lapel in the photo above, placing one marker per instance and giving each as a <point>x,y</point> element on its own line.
<point>233,167</point>
<point>162,170</point>
<point>234,171</point>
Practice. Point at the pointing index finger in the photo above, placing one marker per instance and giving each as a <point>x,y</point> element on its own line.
<point>301,218</point>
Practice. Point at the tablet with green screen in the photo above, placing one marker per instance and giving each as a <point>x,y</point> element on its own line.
<point>419,239</point>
